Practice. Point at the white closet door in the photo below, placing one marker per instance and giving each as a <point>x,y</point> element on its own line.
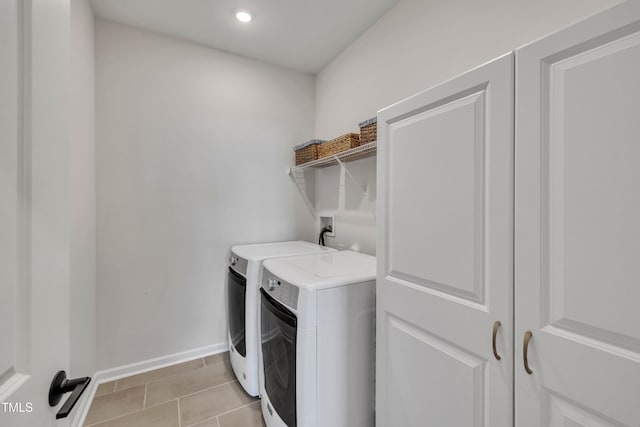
<point>34,209</point>
<point>578,224</point>
<point>445,259</point>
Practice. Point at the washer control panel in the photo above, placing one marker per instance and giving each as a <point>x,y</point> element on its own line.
<point>284,292</point>
<point>239,264</point>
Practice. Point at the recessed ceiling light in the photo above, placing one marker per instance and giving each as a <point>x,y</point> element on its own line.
<point>243,15</point>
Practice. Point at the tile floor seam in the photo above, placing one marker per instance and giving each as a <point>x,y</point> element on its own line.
<point>144,400</point>
<point>130,413</point>
<point>203,421</point>
<point>237,409</point>
<point>204,365</point>
<point>195,392</point>
<point>119,416</point>
<point>161,378</point>
<point>112,418</point>
<point>223,358</point>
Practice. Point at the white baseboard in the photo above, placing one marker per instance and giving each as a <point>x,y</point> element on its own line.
<point>137,368</point>
<point>159,362</point>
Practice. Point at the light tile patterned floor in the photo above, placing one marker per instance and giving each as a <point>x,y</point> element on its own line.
<point>198,393</point>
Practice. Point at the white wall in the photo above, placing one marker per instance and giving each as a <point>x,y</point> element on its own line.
<point>356,223</point>
<point>192,149</point>
<point>416,45</point>
<point>193,144</point>
<point>82,195</point>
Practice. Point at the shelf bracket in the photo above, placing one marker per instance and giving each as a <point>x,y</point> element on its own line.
<point>364,188</point>
<point>301,185</point>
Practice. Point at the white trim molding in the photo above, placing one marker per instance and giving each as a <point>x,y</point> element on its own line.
<point>12,383</point>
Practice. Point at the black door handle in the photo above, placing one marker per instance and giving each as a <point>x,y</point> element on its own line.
<point>61,385</point>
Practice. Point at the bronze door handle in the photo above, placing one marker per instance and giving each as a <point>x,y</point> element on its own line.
<point>525,350</point>
<point>496,326</point>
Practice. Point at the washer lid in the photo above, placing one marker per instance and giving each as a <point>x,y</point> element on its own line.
<point>263,251</point>
<point>324,271</point>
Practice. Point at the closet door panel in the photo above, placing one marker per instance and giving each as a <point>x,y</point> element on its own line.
<point>577,228</point>
<point>445,263</point>
<point>440,153</point>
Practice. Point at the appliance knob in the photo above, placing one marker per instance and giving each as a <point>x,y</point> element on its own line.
<point>272,284</point>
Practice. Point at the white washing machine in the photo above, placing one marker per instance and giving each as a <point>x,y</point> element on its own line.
<point>317,331</point>
<point>243,281</point>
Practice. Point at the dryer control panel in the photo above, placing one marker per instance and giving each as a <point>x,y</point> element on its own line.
<point>285,293</point>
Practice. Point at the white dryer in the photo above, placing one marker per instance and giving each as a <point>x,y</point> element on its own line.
<point>243,281</point>
<point>317,319</point>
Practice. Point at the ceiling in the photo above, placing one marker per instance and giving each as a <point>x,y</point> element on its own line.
<point>303,35</point>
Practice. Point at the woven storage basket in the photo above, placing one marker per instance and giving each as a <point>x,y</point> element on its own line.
<point>307,152</point>
<point>368,131</point>
<point>336,145</point>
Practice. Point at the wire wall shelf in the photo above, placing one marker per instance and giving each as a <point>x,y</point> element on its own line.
<point>366,150</point>
<point>297,173</point>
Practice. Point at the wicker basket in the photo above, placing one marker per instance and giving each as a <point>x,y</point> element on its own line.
<point>307,152</point>
<point>368,131</point>
<point>336,145</point>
